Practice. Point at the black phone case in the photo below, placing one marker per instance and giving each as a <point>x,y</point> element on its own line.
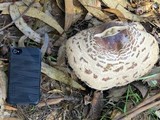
<point>24,76</point>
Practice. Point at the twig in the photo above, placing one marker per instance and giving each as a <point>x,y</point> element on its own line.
<point>18,17</point>
<point>142,109</point>
<point>146,104</point>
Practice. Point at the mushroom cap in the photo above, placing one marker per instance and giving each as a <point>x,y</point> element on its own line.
<point>113,54</point>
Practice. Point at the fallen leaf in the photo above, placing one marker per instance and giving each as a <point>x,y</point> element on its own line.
<point>79,11</point>
<point>8,107</point>
<point>143,89</point>
<point>50,102</point>
<point>45,45</point>
<point>116,93</point>
<point>124,3</point>
<point>157,113</point>
<point>3,81</point>
<point>54,115</point>
<point>61,59</point>
<point>60,4</point>
<point>3,92</point>
<point>94,8</point>
<point>35,13</point>
<point>59,76</point>
<point>117,13</point>
<point>21,41</point>
<point>21,24</point>
<point>115,113</point>
<point>5,5</point>
<point>27,2</point>
<point>115,5</point>
<point>69,14</point>
<point>11,118</point>
<point>55,91</point>
<point>96,106</point>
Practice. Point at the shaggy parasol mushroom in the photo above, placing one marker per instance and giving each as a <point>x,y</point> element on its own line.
<point>111,55</point>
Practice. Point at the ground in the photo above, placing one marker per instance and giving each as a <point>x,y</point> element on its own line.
<point>47,24</point>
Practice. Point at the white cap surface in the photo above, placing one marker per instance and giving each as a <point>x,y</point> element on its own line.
<point>112,54</point>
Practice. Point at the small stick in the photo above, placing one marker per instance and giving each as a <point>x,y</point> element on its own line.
<point>142,109</point>
<point>145,102</point>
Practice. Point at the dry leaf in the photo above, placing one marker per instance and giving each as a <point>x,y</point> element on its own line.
<point>59,76</point>
<point>143,89</point>
<point>115,113</point>
<point>21,24</point>
<point>116,93</point>
<point>61,59</point>
<point>3,92</point>
<point>35,13</point>
<point>157,113</point>
<point>60,4</point>
<point>79,11</point>
<point>11,118</point>
<point>5,5</point>
<point>54,116</point>
<point>8,107</point>
<point>115,5</point>
<point>50,102</point>
<point>45,45</point>
<point>94,8</point>
<point>69,14</point>
<point>117,13</point>
<point>3,81</point>
<point>124,3</point>
<point>21,41</point>
<point>27,2</point>
<point>55,91</point>
<point>96,106</point>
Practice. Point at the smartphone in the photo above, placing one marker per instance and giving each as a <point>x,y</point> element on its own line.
<point>24,76</point>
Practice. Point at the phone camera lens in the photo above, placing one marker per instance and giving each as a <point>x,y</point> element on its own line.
<point>16,51</point>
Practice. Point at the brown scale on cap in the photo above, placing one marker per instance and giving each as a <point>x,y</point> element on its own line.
<point>112,54</point>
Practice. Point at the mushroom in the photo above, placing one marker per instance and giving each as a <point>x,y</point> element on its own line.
<point>111,55</point>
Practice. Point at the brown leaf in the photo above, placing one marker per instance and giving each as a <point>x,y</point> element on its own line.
<point>54,116</point>
<point>115,5</point>
<point>116,93</point>
<point>96,106</point>
<point>11,118</point>
<point>93,6</point>
<point>50,102</point>
<point>61,56</point>
<point>117,13</point>
<point>8,107</point>
<point>69,13</point>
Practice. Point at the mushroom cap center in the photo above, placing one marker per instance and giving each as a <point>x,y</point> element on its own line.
<point>112,39</point>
